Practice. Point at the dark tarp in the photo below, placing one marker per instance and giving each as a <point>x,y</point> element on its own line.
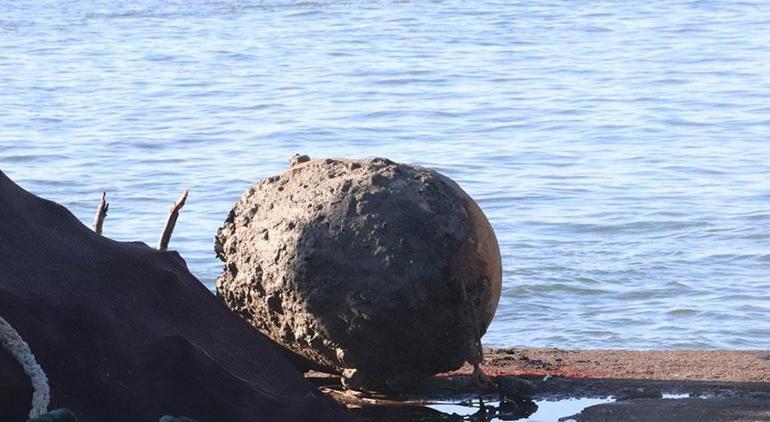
<point>125,332</point>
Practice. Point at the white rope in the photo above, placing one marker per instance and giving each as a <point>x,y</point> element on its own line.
<point>19,349</point>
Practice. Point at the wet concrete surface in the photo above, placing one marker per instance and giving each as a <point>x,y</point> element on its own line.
<point>670,386</point>
<point>564,399</point>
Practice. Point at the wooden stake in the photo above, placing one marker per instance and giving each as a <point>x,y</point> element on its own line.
<point>171,221</point>
<point>101,214</point>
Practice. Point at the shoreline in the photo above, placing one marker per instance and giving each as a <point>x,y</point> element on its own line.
<point>670,365</point>
<point>681,385</point>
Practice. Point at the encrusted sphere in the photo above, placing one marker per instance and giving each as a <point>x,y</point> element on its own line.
<point>379,271</point>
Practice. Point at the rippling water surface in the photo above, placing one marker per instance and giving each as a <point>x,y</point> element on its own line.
<point>620,149</point>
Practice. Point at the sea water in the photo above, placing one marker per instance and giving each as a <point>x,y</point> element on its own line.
<point>620,149</point>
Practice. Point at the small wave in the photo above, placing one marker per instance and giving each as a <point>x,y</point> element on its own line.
<point>656,226</point>
<point>682,312</point>
<point>34,158</point>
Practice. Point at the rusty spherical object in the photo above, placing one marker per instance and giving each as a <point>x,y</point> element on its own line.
<point>382,272</point>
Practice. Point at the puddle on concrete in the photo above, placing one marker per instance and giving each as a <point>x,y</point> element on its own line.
<point>532,411</point>
<point>676,395</point>
<point>540,410</point>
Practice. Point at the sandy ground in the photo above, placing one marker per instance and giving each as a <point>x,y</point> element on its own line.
<point>734,366</point>
<point>722,385</point>
<point>708,386</point>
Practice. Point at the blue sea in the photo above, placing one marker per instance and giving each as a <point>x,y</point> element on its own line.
<point>621,150</point>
